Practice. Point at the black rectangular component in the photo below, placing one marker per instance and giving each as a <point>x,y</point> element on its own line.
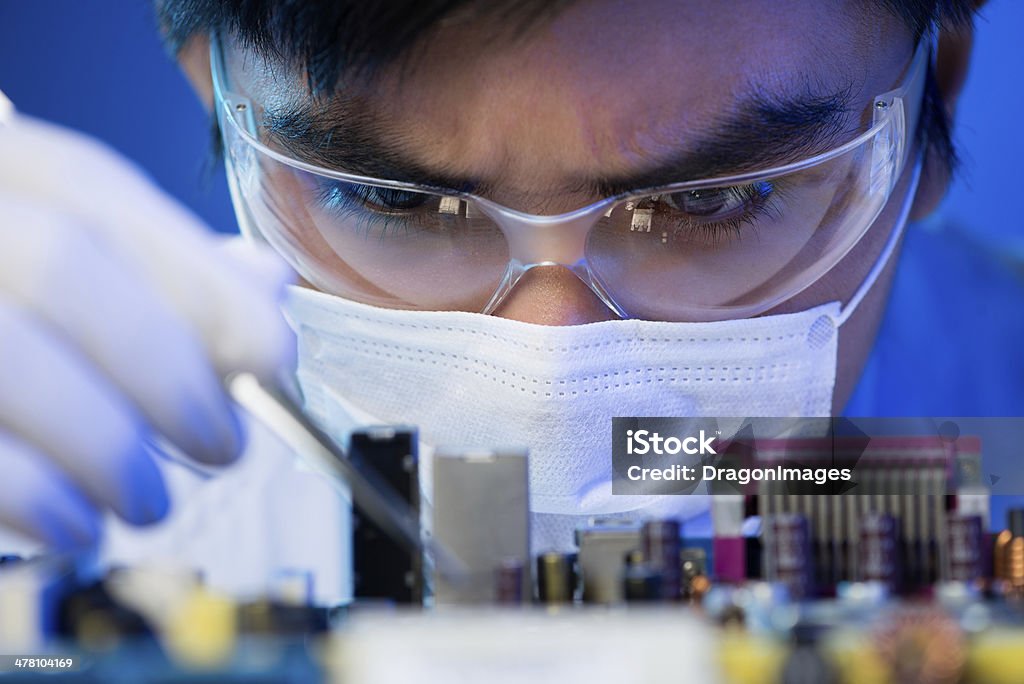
<point>383,569</point>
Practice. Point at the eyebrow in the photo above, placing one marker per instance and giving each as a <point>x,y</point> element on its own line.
<point>763,131</point>
<point>347,136</point>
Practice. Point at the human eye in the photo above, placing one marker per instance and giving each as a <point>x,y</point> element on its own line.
<point>707,215</point>
<point>379,210</point>
<point>350,196</point>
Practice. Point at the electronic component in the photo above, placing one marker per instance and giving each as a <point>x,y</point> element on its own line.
<point>481,514</point>
<point>383,568</point>
<point>641,582</point>
<point>508,582</point>
<point>727,515</point>
<point>965,548</point>
<point>866,548</point>
<point>693,570</point>
<point>603,547</point>
<point>879,559</point>
<point>660,542</point>
<point>793,563</point>
<point>1013,554</point>
<point>556,581</point>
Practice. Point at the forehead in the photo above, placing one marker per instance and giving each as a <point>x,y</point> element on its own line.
<point>609,85</point>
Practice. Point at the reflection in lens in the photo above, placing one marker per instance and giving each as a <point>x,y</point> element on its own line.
<point>383,246</point>
<point>690,254</point>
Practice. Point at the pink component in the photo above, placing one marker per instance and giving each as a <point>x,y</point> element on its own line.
<point>730,559</point>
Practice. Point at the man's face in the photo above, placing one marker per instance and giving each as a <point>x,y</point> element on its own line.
<point>622,91</point>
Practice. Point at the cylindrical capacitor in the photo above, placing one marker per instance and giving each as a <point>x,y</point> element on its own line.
<point>965,547</point>
<point>1010,552</point>
<point>508,582</point>
<point>879,553</point>
<point>792,563</point>
<point>1015,521</point>
<point>1014,566</point>
<point>698,589</point>
<point>641,582</point>
<point>693,563</point>
<point>555,577</point>
<point>808,664</point>
<point>661,544</point>
<point>728,511</point>
<point>999,546</point>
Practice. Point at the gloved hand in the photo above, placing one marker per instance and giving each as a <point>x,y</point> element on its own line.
<point>119,315</point>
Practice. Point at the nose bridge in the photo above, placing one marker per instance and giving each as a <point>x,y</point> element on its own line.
<point>553,295</point>
<point>550,282</point>
<point>534,240</point>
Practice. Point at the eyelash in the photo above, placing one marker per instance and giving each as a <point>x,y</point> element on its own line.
<point>332,196</point>
<point>760,200</point>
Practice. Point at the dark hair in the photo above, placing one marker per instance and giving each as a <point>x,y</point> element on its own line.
<point>330,38</point>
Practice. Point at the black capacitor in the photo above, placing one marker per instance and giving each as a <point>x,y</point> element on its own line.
<point>807,663</point>
<point>274,618</point>
<point>660,541</point>
<point>964,534</point>
<point>556,580</point>
<point>92,607</point>
<point>382,568</point>
<point>754,554</point>
<point>642,583</point>
<point>508,582</point>
<point>879,553</point>
<point>792,563</point>
<point>1015,521</point>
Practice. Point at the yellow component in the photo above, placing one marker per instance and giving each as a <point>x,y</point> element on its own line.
<point>746,659</point>
<point>201,633</point>
<point>857,660</point>
<point>995,658</point>
<point>96,632</point>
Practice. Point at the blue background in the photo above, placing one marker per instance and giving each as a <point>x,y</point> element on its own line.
<point>99,66</point>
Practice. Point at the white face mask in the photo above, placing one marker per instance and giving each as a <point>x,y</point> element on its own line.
<point>477,381</point>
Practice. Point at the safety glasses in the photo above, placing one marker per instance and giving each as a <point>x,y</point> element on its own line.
<point>701,250</point>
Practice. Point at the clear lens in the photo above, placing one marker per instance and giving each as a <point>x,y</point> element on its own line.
<point>719,252</point>
<point>378,245</point>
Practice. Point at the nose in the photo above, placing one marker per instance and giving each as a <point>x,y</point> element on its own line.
<point>553,295</point>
